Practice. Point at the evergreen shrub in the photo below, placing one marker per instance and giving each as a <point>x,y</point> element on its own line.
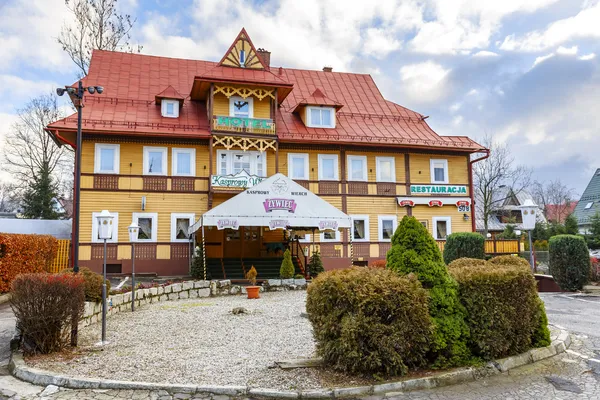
<point>197,270</point>
<point>569,261</point>
<point>93,283</point>
<point>315,265</point>
<point>287,266</point>
<point>464,244</point>
<point>370,321</point>
<point>415,251</point>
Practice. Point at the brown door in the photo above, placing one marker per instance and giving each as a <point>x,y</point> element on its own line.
<point>251,238</point>
<point>232,245</point>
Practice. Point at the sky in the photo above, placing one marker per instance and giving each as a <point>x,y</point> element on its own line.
<point>526,72</point>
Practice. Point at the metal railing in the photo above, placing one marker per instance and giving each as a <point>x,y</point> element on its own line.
<point>261,126</point>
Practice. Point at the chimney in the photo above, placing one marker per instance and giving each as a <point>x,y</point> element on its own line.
<point>265,56</point>
<point>327,69</point>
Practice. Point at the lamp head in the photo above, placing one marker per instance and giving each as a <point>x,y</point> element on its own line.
<point>133,232</point>
<point>99,89</point>
<point>60,91</point>
<point>91,90</point>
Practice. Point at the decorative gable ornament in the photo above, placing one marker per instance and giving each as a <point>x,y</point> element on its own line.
<point>242,54</point>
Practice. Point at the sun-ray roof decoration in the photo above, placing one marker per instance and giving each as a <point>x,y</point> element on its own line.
<point>242,54</point>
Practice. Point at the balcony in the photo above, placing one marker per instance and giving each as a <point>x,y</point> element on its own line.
<point>259,126</point>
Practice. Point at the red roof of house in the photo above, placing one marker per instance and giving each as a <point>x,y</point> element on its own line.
<point>169,93</point>
<point>318,98</point>
<point>132,82</point>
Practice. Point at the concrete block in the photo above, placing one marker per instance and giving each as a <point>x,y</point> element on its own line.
<point>353,391</point>
<point>223,283</point>
<point>193,293</point>
<point>187,285</point>
<point>176,287</point>
<point>153,291</point>
<point>542,353</point>
<point>173,296</point>
<point>184,294</point>
<point>168,289</point>
<point>316,394</point>
<point>388,387</point>
<point>272,393</point>
<point>204,292</point>
<point>274,282</point>
<point>508,363</point>
<point>287,282</point>
<point>201,284</point>
<point>300,282</point>
<point>454,377</point>
<point>160,290</point>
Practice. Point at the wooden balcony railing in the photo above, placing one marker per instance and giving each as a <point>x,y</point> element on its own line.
<point>260,126</point>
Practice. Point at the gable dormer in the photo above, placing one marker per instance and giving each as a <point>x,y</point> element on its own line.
<point>317,110</point>
<point>243,54</point>
<point>170,101</point>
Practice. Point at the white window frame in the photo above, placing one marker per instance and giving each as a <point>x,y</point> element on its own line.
<point>588,205</point>
<point>367,227</point>
<point>307,238</point>
<point>309,124</point>
<point>337,237</point>
<point>365,176</point>
<point>115,232</point>
<point>163,108</point>
<point>250,101</point>
<point>97,161</point>
<point>253,154</point>
<point>174,152</point>
<point>136,216</point>
<point>306,168</point>
<point>148,149</point>
<point>334,157</point>
<point>434,222</point>
<point>174,217</point>
<point>378,170</point>
<point>380,219</point>
<point>434,161</point>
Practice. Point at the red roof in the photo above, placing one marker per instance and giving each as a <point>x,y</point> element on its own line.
<point>169,93</point>
<point>132,81</point>
<point>318,98</point>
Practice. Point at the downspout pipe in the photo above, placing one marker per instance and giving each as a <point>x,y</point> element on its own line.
<point>471,162</point>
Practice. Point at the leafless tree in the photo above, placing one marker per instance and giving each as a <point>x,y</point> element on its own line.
<point>29,150</point>
<point>493,176</point>
<point>97,25</point>
<point>7,197</point>
<point>555,194</point>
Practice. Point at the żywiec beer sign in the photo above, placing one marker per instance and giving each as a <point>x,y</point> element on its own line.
<point>240,180</point>
<point>241,122</point>
<point>438,189</point>
<point>288,205</point>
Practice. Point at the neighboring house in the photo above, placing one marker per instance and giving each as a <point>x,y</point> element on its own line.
<point>589,203</point>
<point>170,139</point>
<point>557,213</point>
<point>506,211</point>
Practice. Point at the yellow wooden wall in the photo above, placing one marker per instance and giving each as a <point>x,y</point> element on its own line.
<point>262,108</point>
<point>424,212</point>
<point>420,168</point>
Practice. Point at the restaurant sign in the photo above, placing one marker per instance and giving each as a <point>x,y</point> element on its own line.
<point>242,122</point>
<point>438,189</point>
<point>240,180</point>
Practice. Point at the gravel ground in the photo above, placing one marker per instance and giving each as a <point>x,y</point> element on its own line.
<point>199,341</point>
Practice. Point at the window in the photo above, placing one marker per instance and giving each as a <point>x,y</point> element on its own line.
<point>357,168</point>
<point>298,166</point>
<point>180,223</point>
<point>360,228</point>
<point>589,205</point>
<point>330,236</point>
<point>106,159</point>
<point>442,227</point>
<point>243,58</point>
<point>115,232</point>
<point>386,169</point>
<point>328,167</point>
<point>155,160</point>
<point>439,171</point>
<point>320,117</point>
<point>303,237</point>
<point>239,107</point>
<point>424,222</point>
<point>148,223</point>
<point>169,108</point>
<point>231,162</point>
<point>184,162</point>
<point>387,227</point>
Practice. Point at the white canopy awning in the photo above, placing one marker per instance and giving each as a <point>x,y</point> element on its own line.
<point>278,203</point>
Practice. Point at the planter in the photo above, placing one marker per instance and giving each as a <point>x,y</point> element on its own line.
<point>253,292</point>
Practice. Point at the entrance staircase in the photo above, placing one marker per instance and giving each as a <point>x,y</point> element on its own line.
<point>233,268</point>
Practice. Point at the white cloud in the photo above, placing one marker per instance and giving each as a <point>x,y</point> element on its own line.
<point>455,107</point>
<point>380,43</point>
<point>587,57</point>
<point>15,90</point>
<point>485,54</point>
<point>424,82</point>
<point>569,51</point>
<point>541,59</point>
<point>472,92</point>
<point>457,120</point>
<point>583,25</point>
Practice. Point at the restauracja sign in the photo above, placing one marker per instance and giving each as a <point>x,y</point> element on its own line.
<point>438,189</point>
<point>240,180</point>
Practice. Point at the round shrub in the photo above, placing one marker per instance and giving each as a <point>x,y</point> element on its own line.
<point>510,261</point>
<point>569,261</point>
<point>464,244</point>
<point>467,262</point>
<point>287,266</point>
<point>369,321</point>
<point>93,283</point>
<point>505,314</point>
<point>415,251</point>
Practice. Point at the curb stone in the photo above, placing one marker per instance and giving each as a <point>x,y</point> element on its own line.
<point>4,298</point>
<point>20,370</point>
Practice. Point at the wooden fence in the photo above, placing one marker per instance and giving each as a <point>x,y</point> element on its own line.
<point>497,246</point>
<point>61,261</point>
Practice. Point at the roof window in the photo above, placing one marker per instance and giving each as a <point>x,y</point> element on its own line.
<point>170,108</point>
<point>589,205</point>
<point>320,117</point>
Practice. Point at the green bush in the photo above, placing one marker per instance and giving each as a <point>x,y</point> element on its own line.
<point>197,270</point>
<point>415,251</point>
<point>287,266</point>
<point>503,308</point>
<point>467,262</point>
<point>369,321</point>
<point>464,244</point>
<point>93,284</point>
<point>315,265</point>
<point>569,261</point>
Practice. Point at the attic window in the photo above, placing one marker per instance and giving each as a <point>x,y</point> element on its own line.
<point>242,58</point>
<point>589,205</point>
<point>320,117</point>
<point>241,108</point>
<point>170,108</point>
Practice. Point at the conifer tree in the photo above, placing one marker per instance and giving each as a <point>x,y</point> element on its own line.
<point>287,266</point>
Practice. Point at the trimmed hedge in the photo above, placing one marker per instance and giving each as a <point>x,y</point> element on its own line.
<point>505,314</point>
<point>370,321</point>
<point>21,254</point>
<point>464,244</point>
<point>93,283</point>
<point>569,261</point>
<point>415,251</point>
<point>467,262</point>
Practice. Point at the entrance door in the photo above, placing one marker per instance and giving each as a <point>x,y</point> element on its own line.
<point>251,245</point>
<point>242,243</point>
<point>232,245</point>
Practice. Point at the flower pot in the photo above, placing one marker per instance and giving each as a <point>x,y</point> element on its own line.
<point>253,292</point>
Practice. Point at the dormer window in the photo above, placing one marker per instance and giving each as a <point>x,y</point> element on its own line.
<point>240,107</point>
<point>170,108</point>
<point>320,117</point>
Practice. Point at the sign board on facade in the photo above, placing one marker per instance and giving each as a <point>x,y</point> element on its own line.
<point>239,122</point>
<point>463,204</point>
<point>438,189</point>
<point>239,180</point>
<point>228,223</point>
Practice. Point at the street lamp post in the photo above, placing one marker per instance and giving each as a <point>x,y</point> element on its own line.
<point>105,232</point>
<point>76,95</point>
<point>529,212</point>
<point>133,236</point>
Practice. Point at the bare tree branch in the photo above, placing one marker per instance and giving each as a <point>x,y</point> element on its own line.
<point>555,194</point>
